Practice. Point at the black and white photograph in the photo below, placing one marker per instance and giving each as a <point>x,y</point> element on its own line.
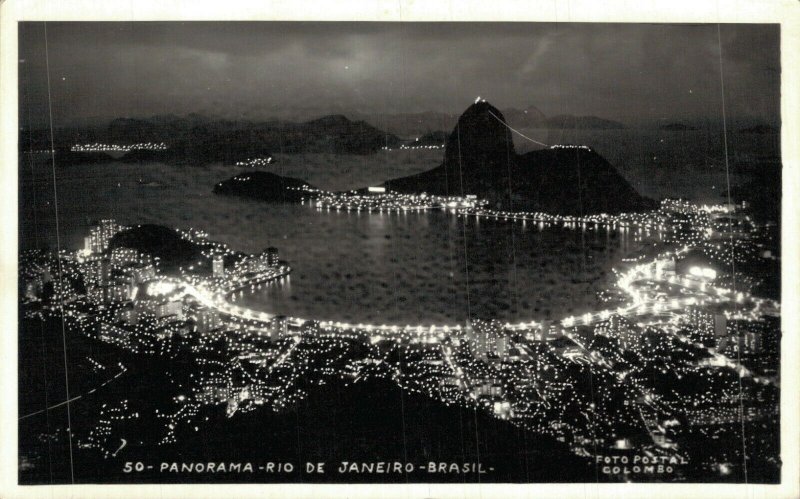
<point>407,252</point>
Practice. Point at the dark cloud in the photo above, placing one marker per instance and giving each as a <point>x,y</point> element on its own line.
<point>257,70</point>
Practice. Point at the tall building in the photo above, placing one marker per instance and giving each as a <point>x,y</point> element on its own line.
<point>546,332</point>
<point>95,245</point>
<point>272,256</point>
<point>278,327</point>
<point>487,340</point>
<point>105,271</point>
<point>101,235</point>
<point>481,349</point>
<point>127,314</point>
<point>92,272</point>
<point>262,261</point>
<point>752,341</point>
<point>720,325</point>
<point>207,320</point>
<point>669,267</point>
<point>624,331</point>
<point>142,273</point>
<point>702,327</point>
<point>121,257</point>
<point>167,308</point>
<point>218,266</point>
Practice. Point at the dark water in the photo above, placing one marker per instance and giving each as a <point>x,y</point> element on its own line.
<point>689,164</point>
<point>428,268</point>
<point>401,268</point>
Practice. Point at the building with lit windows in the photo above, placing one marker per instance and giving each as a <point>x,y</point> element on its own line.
<point>100,236</point>
<point>272,256</point>
<point>218,266</point>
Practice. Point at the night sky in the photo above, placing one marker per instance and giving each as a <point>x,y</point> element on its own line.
<point>298,70</point>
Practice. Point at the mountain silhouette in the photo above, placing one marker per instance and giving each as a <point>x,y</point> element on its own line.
<point>480,159</point>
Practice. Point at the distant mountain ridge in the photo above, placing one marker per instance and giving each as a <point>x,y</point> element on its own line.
<point>196,139</point>
<point>411,125</point>
<point>200,139</point>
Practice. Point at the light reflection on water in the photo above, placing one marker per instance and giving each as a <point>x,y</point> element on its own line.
<point>355,267</point>
<point>436,267</point>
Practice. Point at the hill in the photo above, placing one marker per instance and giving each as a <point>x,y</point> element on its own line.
<point>574,181</point>
<point>480,159</point>
<point>364,422</point>
<point>159,241</point>
<point>337,134</point>
<point>262,186</point>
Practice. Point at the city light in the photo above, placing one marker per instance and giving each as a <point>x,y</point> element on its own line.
<point>667,319</point>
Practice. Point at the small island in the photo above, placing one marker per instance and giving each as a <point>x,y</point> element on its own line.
<point>264,186</point>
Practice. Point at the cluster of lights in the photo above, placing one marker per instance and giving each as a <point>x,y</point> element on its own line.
<point>406,147</point>
<point>413,146</point>
<point>40,151</point>
<point>389,202</point>
<point>100,235</point>
<point>570,146</point>
<point>254,162</point>
<point>161,288</point>
<point>657,220</point>
<point>100,147</point>
<point>531,373</point>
